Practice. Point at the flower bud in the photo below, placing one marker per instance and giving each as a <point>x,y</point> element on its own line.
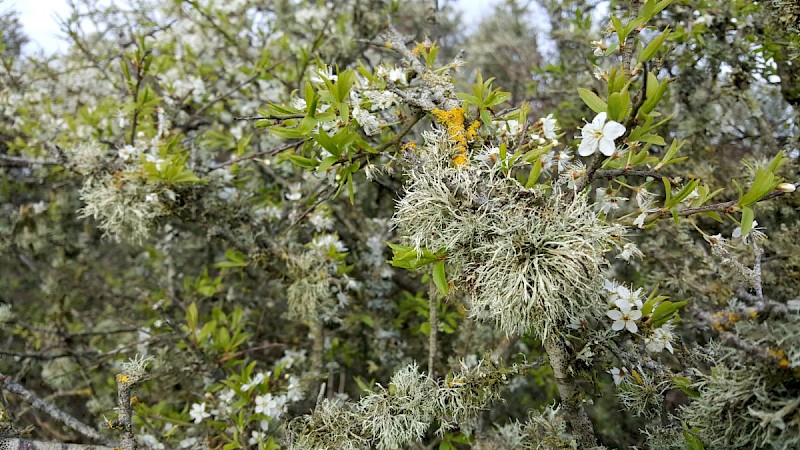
<point>786,187</point>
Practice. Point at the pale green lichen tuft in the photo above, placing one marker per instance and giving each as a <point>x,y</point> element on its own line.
<point>310,289</point>
<point>752,400</point>
<point>542,431</point>
<point>401,414</point>
<point>530,260</point>
<point>126,209</point>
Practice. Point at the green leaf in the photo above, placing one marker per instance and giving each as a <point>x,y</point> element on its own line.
<point>191,316</point>
<point>747,220</point>
<point>303,162</point>
<point>691,439</point>
<point>684,384</point>
<point>619,28</point>
<point>592,100</point>
<point>653,139</point>
<point>233,259</point>
<point>665,311</point>
<point>652,300</point>
<point>618,103</point>
<point>652,48</point>
<point>407,257</point>
<point>763,183</point>
<point>673,149</point>
<point>440,278</point>
<point>186,176</point>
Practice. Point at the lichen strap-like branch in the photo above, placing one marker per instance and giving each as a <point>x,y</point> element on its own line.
<point>571,402</point>
<point>51,410</point>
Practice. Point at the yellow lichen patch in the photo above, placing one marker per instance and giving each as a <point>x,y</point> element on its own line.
<point>122,378</point>
<point>454,121</point>
<point>410,146</point>
<point>637,377</point>
<point>134,400</point>
<point>724,320</point>
<point>753,313</point>
<point>472,131</point>
<point>455,382</point>
<point>780,355</point>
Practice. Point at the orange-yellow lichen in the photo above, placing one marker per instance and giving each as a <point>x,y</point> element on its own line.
<point>723,320</point>
<point>472,131</point>
<point>455,382</point>
<point>122,378</point>
<point>454,121</point>
<point>410,146</point>
<point>780,355</point>
<point>637,377</point>
<point>459,160</point>
<point>134,400</point>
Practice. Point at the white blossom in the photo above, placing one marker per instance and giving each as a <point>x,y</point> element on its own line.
<point>397,75</point>
<point>294,392</point>
<point>368,122</point>
<point>660,339</point>
<point>198,412</point>
<point>294,193</point>
<point>549,127</point>
<point>630,250</point>
<point>5,313</point>
<point>325,241</point>
<point>256,437</point>
<point>624,317</point>
<point>380,99</point>
<point>255,381</point>
<point>600,135</point>
<point>607,201</point>
<point>618,374</point>
<point>270,406</point>
<point>754,232</point>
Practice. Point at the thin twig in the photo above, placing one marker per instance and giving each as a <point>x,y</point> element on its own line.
<point>270,152</point>
<point>719,207</point>
<point>759,252</point>
<point>18,161</point>
<point>433,320</point>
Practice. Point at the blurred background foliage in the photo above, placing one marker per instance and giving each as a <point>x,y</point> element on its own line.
<point>82,301</point>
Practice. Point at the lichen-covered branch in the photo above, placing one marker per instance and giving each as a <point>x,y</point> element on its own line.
<point>51,410</point>
<point>571,396</point>
<point>25,444</point>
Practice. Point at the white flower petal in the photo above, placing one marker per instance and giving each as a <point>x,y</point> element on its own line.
<point>618,325</point>
<point>614,315</point>
<point>599,120</point>
<point>588,145</point>
<point>613,130</point>
<point>607,146</point>
<point>631,326</point>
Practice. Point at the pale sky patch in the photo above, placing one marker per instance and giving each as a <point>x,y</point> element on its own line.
<point>39,19</point>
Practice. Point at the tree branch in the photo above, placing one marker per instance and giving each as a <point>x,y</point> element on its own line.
<point>24,444</point>
<point>571,400</point>
<point>51,410</point>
